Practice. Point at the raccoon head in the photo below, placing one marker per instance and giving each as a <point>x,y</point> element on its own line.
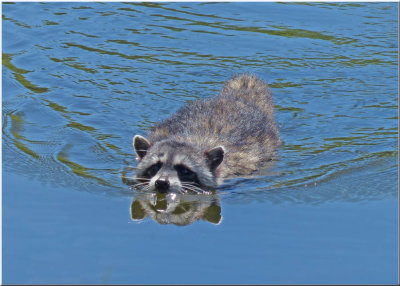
<point>173,166</point>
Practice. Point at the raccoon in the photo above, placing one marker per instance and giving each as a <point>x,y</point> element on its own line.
<point>207,140</point>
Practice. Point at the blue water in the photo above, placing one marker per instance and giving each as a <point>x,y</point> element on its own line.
<point>80,79</point>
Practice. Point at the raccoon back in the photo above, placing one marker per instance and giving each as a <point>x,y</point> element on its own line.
<point>240,118</point>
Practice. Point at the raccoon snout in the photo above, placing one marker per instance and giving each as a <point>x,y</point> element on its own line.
<point>162,185</point>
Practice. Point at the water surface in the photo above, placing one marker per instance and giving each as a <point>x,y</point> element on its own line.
<point>80,79</point>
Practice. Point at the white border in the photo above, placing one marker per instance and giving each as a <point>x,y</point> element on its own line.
<point>252,1</point>
<point>198,1</point>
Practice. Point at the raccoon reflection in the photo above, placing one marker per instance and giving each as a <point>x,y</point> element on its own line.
<point>175,208</point>
<point>207,140</point>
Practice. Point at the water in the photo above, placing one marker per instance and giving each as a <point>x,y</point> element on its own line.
<point>80,79</point>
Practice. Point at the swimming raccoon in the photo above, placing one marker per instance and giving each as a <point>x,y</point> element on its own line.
<point>207,140</point>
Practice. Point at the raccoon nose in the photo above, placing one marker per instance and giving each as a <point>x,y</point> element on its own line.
<point>162,185</point>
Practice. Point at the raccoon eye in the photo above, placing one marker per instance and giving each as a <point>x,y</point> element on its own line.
<point>153,169</point>
<point>185,173</point>
<point>182,170</point>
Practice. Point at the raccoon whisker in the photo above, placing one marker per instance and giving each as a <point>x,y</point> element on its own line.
<point>189,189</point>
<point>189,184</point>
<point>196,189</point>
<point>193,189</point>
<point>142,179</point>
<point>186,185</point>
<point>127,178</point>
<point>139,180</point>
<point>139,184</point>
<point>193,186</point>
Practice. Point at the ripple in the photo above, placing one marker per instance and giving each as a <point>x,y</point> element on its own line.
<point>19,75</point>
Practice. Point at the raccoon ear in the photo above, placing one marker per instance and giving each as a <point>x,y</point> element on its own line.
<point>215,156</point>
<point>140,144</point>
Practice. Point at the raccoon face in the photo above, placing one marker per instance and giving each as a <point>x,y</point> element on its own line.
<point>172,166</point>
